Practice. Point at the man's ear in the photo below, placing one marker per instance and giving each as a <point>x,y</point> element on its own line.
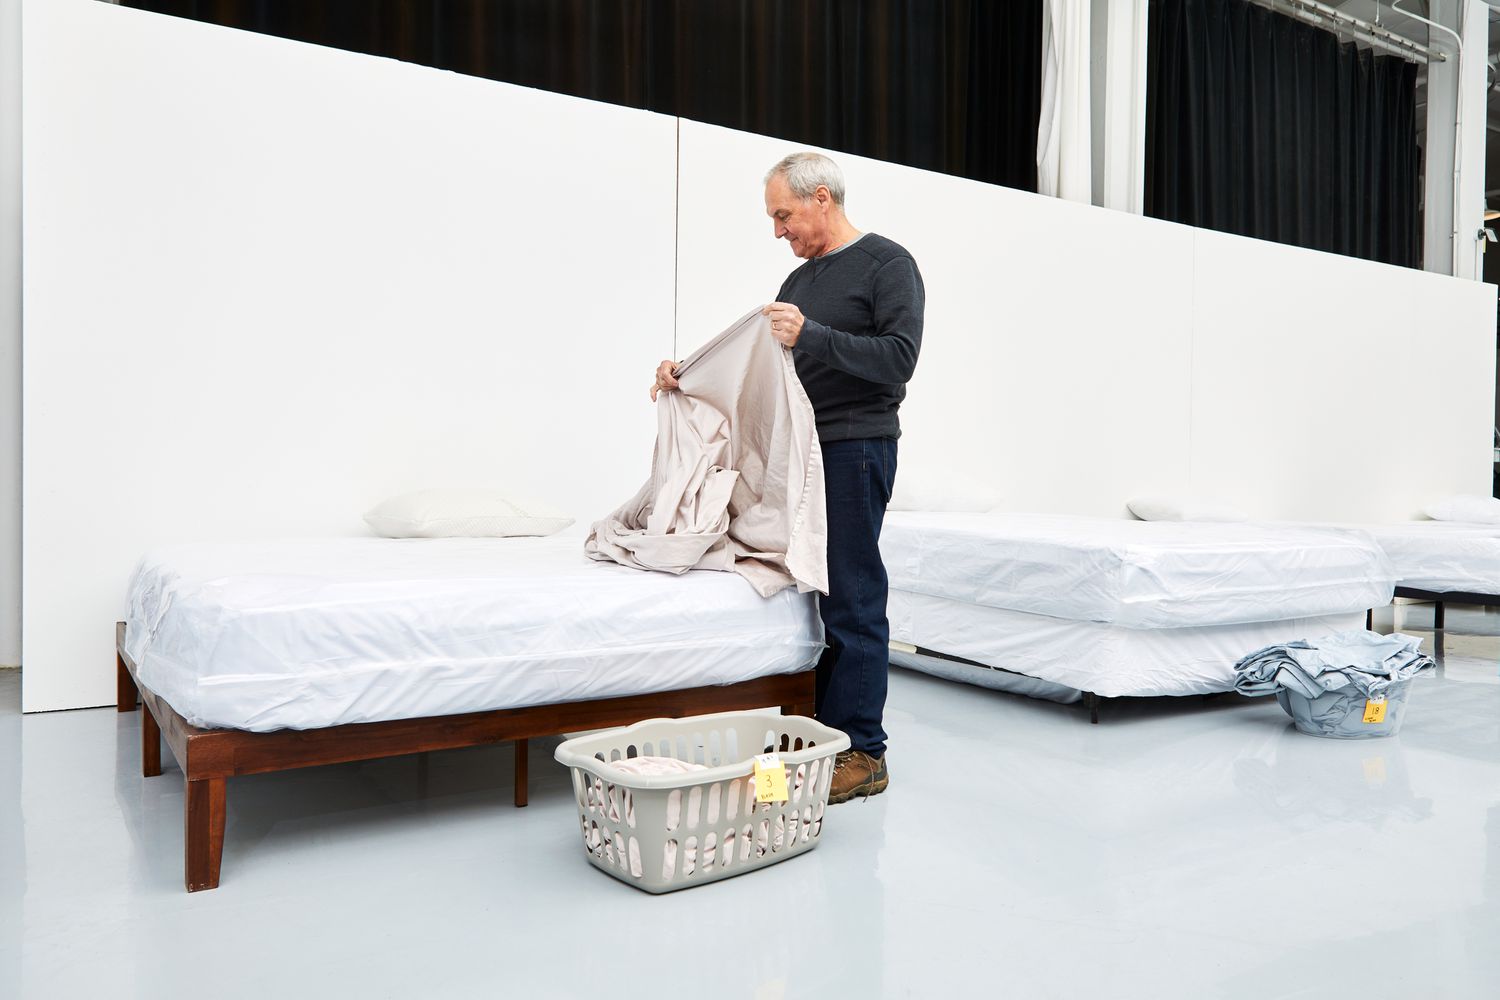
<point>823,195</point>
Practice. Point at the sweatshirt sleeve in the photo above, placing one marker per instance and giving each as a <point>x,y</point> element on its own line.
<point>889,356</point>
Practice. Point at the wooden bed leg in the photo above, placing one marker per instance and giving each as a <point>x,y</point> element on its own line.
<point>1437,615</point>
<point>203,835</point>
<point>126,694</point>
<point>423,772</point>
<point>803,710</point>
<point>150,745</point>
<point>522,775</point>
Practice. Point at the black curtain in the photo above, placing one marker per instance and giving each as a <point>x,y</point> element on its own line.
<point>1262,125</point>
<point>946,85</point>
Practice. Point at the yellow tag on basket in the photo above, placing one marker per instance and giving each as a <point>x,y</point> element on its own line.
<point>770,778</point>
<point>1375,711</point>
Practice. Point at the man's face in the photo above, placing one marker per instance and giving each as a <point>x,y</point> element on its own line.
<point>803,224</point>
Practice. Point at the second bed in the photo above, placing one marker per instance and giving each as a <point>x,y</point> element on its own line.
<point>1074,607</point>
<point>1443,561</point>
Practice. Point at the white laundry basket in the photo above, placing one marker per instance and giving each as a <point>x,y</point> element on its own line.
<point>665,832</point>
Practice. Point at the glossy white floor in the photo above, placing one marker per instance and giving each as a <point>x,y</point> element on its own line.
<point>1179,849</point>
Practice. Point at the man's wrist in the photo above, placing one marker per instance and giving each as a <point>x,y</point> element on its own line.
<point>812,337</point>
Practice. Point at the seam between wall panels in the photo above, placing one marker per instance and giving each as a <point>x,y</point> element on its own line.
<point>676,233</point>
<point>17,531</point>
<point>1192,361</point>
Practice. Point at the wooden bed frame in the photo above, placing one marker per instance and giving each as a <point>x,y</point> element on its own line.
<point>209,757</point>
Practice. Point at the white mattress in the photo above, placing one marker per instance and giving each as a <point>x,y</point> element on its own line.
<point>313,633</point>
<point>1443,555</point>
<point>1107,659</point>
<point>1138,574</point>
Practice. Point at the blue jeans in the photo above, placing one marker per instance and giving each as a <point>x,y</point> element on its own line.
<point>852,674</point>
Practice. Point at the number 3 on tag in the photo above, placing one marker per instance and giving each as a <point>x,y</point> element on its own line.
<point>1375,711</point>
<point>770,779</point>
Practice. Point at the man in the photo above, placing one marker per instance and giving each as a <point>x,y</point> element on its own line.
<point>852,317</point>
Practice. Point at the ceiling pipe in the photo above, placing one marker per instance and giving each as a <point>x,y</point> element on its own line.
<point>1458,105</point>
<point>1367,31</point>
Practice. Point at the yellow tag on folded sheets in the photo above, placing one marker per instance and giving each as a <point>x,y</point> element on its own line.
<point>1375,711</point>
<point>770,778</point>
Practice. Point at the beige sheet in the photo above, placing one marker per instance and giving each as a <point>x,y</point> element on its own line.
<point>737,477</point>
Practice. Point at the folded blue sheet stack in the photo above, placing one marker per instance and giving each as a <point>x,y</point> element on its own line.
<point>1350,685</point>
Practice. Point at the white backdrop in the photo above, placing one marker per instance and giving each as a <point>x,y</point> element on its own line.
<point>1075,357</point>
<point>1032,371</point>
<point>1328,387</point>
<point>10,333</point>
<point>270,284</point>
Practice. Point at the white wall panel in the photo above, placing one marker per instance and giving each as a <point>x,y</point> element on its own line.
<point>729,258</point>
<point>1326,387</point>
<point>1055,362</point>
<point>10,333</point>
<point>269,284</point>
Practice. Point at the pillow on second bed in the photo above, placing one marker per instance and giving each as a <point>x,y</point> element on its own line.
<point>1467,508</point>
<point>463,514</point>
<point>1167,509</point>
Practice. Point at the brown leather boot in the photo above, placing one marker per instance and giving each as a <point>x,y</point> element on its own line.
<point>856,773</point>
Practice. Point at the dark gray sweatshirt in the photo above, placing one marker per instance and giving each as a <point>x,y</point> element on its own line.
<point>863,328</point>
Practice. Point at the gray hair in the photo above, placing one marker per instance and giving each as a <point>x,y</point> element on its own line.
<point>805,172</point>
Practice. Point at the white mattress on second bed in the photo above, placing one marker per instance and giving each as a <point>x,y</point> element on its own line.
<point>1443,555</point>
<point>1136,573</point>
<point>1107,659</point>
<point>312,633</point>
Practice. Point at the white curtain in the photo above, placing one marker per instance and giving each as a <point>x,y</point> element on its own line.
<point>1120,166</point>
<point>1064,158</point>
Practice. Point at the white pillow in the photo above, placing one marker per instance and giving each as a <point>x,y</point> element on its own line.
<point>463,514</point>
<point>1168,509</point>
<point>1465,507</point>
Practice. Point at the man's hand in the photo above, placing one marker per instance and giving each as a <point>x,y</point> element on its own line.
<point>786,322</point>
<point>666,378</point>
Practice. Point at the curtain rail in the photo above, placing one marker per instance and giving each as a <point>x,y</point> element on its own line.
<point>1367,31</point>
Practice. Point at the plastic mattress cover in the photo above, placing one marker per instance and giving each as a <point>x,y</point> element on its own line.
<point>1139,574</point>
<point>1443,555</point>
<point>986,677</point>
<point>313,633</point>
<point>1109,660</point>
